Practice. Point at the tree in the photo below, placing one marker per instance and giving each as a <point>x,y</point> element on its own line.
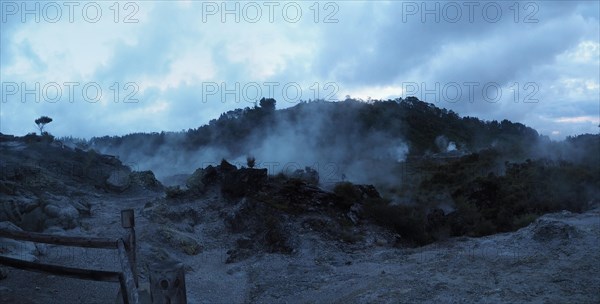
<point>267,104</point>
<point>41,123</point>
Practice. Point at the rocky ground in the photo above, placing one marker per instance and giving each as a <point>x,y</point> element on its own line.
<point>279,240</point>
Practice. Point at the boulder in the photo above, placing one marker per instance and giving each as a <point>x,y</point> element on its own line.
<point>39,214</point>
<point>62,214</point>
<point>244,181</point>
<point>210,175</point>
<point>368,191</point>
<point>83,207</point>
<point>545,230</point>
<point>354,213</point>
<point>180,240</point>
<point>110,160</point>
<point>195,182</point>
<point>119,180</point>
<point>146,180</point>
<point>225,166</point>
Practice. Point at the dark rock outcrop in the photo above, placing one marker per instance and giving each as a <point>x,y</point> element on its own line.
<point>119,180</point>
<point>146,180</point>
<point>239,183</point>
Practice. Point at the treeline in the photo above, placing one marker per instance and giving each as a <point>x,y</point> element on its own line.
<point>416,122</point>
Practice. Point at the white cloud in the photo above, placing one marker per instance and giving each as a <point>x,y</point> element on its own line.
<point>586,52</point>
<point>579,119</point>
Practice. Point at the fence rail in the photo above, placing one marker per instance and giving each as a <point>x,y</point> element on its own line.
<point>77,273</point>
<point>74,241</point>
<point>127,278</point>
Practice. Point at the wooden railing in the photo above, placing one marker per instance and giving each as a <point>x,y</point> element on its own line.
<point>125,246</point>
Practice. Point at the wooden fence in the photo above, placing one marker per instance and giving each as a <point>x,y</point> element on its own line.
<point>126,247</point>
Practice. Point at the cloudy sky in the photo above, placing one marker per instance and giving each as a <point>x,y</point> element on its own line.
<point>100,68</point>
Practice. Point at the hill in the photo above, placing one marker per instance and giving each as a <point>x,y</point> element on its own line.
<point>438,174</point>
<point>444,187</point>
<point>339,139</point>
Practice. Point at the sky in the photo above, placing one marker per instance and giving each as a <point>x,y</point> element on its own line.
<point>113,68</point>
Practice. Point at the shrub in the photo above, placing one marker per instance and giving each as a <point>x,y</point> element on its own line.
<point>175,192</point>
<point>348,193</point>
<point>483,228</point>
<point>309,175</point>
<point>31,138</point>
<point>408,221</point>
<point>250,161</point>
<point>47,137</point>
<point>524,220</point>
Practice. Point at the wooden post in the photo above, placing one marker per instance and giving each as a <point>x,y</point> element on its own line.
<point>167,283</point>
<point>129,290</point>
<point>128,222</point>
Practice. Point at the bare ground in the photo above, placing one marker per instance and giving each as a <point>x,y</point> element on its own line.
<point>554,260</point>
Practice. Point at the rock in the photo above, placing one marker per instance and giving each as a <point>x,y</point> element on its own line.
<point>110,160</point>
<point>349,194</point>
<point>162,213</point>
<point>234,182</point>
<point>381,242</point>
<point>83,207</point>
<point>368,191</point>
<point>243,218</point>
<point>119,180</point>
<point>67,218</point>
<point>225,166</point>
<point>61,212</point>
<point>175,192</point>
<point>34,220</point>
<point>353,218</point>
<point>238,183</point>
<point>195,181</point>
<point>309,175</point>
<point>263,230</point>
<point>545,230</point>
<point>180,240</point>
<point>354,213</point>
<point>146,180</point>
<point>3,273</point>
<point>52,210</point>
<point>210,175</point>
